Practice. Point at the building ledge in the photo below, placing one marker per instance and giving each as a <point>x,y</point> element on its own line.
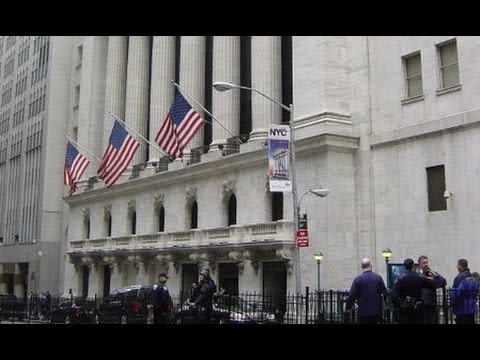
<point>447,124</point>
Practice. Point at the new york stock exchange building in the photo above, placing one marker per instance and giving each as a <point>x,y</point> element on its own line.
<point>388,124</point>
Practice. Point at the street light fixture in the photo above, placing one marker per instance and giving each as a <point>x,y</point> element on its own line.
<point>318,258</point>
<point>224,86</point>
<point>387,254</point>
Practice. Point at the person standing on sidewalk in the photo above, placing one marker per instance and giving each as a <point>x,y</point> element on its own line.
<point>369,291</point>
<point>464,294</point>
<point>162,306</point>
<point>429,295</point>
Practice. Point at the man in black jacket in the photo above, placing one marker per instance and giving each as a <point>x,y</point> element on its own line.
<point>202,304</point>
<point>429,295</point>
<point>407,292</point>
<point>162,305</point>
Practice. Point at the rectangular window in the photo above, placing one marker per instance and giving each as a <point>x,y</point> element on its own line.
<point>79,55</point>
<point>413,75</point>
<point>436,188</point>
<point>448,62</point>
<point>76,99</point>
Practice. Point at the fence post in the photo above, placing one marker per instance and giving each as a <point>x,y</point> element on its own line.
<point>445,305</point>
<point>307,290</point>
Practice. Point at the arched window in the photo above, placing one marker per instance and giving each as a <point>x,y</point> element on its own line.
<point>133,222</point>
<point>277,206</point>
<point>161,219</point>
<point>232,210</point>
<point>194,215</point>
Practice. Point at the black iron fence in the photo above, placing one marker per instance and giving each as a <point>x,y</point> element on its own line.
<point>312,307</point>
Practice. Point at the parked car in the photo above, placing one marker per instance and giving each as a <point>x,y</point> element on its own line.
<point>230,309</point>
<point>128,305</point>
<point>186,315</point>
<point>12,307</point>
<point>78,310</point>
<point>242,311</point>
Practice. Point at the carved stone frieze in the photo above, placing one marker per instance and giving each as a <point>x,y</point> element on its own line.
<point>107,209</point>
<point>86,214</point>
<point>191,194</point>
<point>228,187</point>
<point>131,206</point>
<point>158,201</point>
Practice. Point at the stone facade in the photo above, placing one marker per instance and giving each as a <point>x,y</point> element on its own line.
<point>356,134</point>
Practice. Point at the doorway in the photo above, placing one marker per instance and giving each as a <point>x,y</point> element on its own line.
<point>228,278</point>
<point>107,273</point>
<point>189,276</point>
<point>275,285</point>
<point>85,278</point>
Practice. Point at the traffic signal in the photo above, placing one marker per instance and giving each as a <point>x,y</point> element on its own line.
<point>302,221</point>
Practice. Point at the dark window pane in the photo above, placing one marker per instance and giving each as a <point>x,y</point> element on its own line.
<point>436,188</point>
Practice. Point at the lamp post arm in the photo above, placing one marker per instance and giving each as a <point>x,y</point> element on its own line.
<point>301,197</point>
<point>268,97</point>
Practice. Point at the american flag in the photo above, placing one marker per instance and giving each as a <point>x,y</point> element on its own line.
<point>179,127</point>
<point>75,166</point>
<point>121,149</point>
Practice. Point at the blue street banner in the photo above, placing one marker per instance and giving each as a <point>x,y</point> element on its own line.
<point>279,158</point>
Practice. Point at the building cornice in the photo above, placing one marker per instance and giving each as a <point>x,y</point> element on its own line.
<point>448,124</point>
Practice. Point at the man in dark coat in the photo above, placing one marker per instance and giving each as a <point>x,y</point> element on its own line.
<point>429,295</point>
<point>464,294</point>
<point>369,290</point>
<point>408,294</point>
<point>162,305</point>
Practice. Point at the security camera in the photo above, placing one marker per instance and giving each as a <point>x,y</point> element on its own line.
<point>447,194</point>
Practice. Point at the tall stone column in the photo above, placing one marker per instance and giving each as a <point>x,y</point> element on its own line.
<point>141,275</point>
<point>192,79</point>
<point>3,284</point>
<point>115,84</point>
<point>267,78</point>
<point>136,105</point>
<point>162,90</point>
<point>18,282</point>
<point>226,104</point>
<point>115,276</point>
<point>94,280</point>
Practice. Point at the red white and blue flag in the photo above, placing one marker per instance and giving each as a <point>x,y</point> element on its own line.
<point>75,166</point>
<point>121,149</point>
<point>179,127</point>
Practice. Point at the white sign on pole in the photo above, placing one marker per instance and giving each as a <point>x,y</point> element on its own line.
<point>279,158</point>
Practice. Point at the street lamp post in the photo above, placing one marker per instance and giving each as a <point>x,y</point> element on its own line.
<point>318,258</point>
<point>387,254</point>
<point>224,86</point>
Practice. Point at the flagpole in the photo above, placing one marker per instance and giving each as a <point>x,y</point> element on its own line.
<point>208,112</point>
<point>139,135</point>
<point>81,147</point>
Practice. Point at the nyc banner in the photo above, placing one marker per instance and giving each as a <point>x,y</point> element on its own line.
<point>279,158</point>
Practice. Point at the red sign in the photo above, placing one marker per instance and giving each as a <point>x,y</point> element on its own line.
<point>302,238</point>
